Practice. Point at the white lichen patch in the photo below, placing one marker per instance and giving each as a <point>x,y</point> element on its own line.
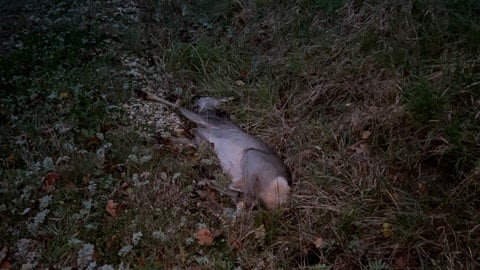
<point>146,117</point>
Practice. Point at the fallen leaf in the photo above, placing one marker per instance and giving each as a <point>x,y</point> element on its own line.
<point>318,242</point>
<point>63,95</point>
<point>260,232</point>
<point>308,154</point>
<point>405,262</point>
<point>106,128</point>
<point>360,149</point>
<point>400,263</point>
<point>261,264</point>
<point>239,83</point>
<point>93,143</point>
<point>234,244</point>
<point>179,131</point>
<point>421,187</point>
<point>244,73</point>
<point>366,134</point>
<point>387,230</point>
<point>204,237</point>
<point>48,183</point>
<point>10,160</point>
<point>112,208</point>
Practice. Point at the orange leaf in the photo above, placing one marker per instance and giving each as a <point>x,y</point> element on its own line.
<point>49,181</point>
<point>10,159</point>
<point>112,208</point>
<point>204,237</point>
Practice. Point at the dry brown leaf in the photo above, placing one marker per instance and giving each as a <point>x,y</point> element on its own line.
<point>366,134</point>
<point>111,208</point>
<point>233,243</point>
<point>106,128</point>
<point>421,187</point>
<point>48,183</point>
<point>260,232</point>
<point>308,154</point>
<point>179,131</point>
<point>140,261</point>
<point>124,185</point>
<point>405,262</point>
<point>360,149</point>
<point>400,263</point>
<point>204,237</point>
<point>10,159</point>
<point>244,73</point>
<point>239,83</point>
<point>318,242</point>
<point>93,142</point>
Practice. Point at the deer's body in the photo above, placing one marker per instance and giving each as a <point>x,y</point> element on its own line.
<point>254,168</point>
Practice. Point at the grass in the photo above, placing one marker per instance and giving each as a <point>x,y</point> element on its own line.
<point>373,105</point>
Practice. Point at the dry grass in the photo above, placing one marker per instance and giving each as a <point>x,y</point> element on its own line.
<point>366,181</point>
<point>373,105</point>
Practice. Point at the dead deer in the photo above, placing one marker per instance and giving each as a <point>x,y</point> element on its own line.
<point>255,170</point>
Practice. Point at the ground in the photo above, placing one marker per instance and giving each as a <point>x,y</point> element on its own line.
<point>373,106</point>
